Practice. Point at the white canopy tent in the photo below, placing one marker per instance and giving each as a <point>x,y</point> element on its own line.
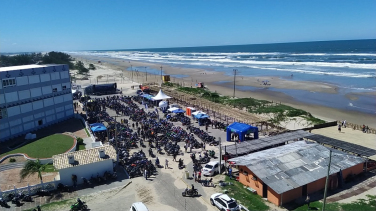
<point>172,109</point>
<point>163,104</point>
<point>160,96</point>
<point>198,112</point>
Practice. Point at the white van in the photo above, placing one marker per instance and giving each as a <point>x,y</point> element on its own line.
<point>138,206</point>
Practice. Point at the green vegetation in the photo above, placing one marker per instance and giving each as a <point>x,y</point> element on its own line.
<point>45,147</point>
<point>32,167</point>
<point>368,204</point>
<point>12,160</point>
<point>92,67</point>
<point>80,144</point>
<point>58,205</point>
<point>278,112</point>
<point>81,67</point>
<point>49,168</point>
<point>37,58</point>
<point>87,132</point>
<point>250,200</point>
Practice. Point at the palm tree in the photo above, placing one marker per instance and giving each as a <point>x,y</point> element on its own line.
<point>31,167</point>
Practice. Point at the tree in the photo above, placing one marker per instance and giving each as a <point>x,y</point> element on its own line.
<point>31,167</point>
<point>81,68</point>
<point>91,67</point>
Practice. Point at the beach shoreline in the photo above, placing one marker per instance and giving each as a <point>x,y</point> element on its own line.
<point>211,79</point>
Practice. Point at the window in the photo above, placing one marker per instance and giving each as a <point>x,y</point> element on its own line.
<point>3,113</point>
<point>54,90</point>
<point>9,82</point>
<point>64,87</point>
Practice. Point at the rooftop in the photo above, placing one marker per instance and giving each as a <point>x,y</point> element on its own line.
<point>83,157</point>
<point>257,144</point>
<point>356,137</point>
<point>24,67</point>
<point>293,165</point>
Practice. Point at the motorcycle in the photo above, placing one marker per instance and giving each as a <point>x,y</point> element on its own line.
<point>189,192</point>
<point>63,188</point>
<point>3,203</point>
<point>77,206</point>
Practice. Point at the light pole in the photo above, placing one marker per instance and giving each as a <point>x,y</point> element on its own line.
<point>235,71</point>
<point>146,74</point>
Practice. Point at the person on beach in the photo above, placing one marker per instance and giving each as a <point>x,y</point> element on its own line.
<point>339,128</point>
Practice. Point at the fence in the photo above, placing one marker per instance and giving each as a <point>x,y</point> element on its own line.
<point>357,127</point>
<point>31,189</point>
<point>87,126</point>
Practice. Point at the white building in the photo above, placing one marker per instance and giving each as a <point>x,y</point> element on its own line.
<point>84,163</point>
<point>32,97</point>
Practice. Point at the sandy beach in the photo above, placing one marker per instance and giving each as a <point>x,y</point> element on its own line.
<point>223,84</point>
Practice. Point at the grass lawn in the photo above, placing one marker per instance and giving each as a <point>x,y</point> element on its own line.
<point>49,168</point>
<point>45,147</point>
<point>250,200</point>
<point>368,204</point>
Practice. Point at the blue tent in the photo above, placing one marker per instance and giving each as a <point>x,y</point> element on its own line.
<point>97,127</point>
<point>178,111</point>
<point>241,129</point>
<point>201,116</point>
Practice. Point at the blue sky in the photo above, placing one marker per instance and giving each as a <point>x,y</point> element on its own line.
<point>69,25</point>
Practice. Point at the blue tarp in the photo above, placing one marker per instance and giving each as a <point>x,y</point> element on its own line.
<point>97,127</point>
<point>241,129</point>
<point>147,96</point>
<point>178,111</point>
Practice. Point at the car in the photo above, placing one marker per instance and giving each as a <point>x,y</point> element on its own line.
<point>210,168</point>
<point>223,202</point>
<point>138,206</point>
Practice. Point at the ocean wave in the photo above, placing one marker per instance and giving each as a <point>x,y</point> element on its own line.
<point>224,60</point>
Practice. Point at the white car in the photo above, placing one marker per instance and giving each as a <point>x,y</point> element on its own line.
<point>223,202</point>
<point>138,206</point>
<point>210,168</point>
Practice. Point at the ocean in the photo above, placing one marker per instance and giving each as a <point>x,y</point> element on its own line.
<point>348,64</point>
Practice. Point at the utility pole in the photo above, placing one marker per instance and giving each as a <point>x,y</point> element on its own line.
<point>132,72</point>
<point>327,178</point>
<point>235,71</point>
<point>220,155</point>
<point>146,74</point>
<point>161,75</point>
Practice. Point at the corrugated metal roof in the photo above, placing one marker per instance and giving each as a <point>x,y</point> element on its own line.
<point>259,144</point>
<point>350,147</point>
<point>290,166</point>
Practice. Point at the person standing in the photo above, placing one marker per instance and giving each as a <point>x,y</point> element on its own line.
<point>230,172</point>
<point>308,201</point>
<point>166,164</point>
<point>339,128</point>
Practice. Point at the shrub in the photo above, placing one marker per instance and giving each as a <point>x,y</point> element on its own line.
<point>12,160</point>
<point>80,141</point>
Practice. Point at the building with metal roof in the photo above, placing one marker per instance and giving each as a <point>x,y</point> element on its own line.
<point>84,163</point>
<point>247,147</point>
<point>285,173</point>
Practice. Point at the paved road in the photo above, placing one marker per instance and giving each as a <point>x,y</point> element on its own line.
<point>11,166</point>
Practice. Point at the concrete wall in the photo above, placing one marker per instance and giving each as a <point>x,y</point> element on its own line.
<point>316,185</point>
<point>85,171</point>
<point>357,169</point>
